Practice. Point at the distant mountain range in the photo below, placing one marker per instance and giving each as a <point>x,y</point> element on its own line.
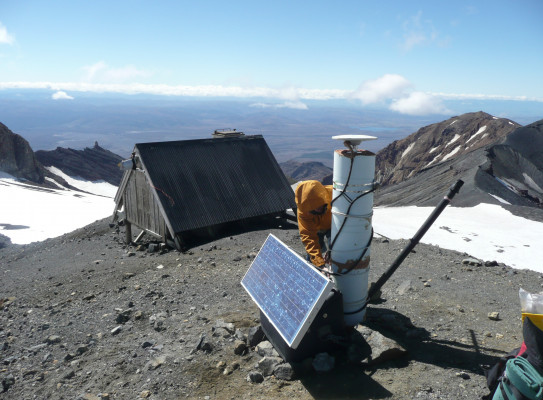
<point>303,171</point>
<point>500,161</point>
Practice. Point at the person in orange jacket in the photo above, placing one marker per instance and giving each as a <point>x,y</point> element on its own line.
<point>313,200</point>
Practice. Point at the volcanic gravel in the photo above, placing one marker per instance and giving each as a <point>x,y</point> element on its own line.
<point>83,316</point>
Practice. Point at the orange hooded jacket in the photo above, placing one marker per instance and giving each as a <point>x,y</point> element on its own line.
<point>310,195</point>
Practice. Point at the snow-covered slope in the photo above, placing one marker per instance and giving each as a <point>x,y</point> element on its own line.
<point>486,231</point>
<point>30,213</point>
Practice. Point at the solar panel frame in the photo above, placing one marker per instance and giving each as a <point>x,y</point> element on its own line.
<point>287,289</point>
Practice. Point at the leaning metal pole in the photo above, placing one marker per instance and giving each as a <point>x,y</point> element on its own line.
<point>455,188</point>
<point>352,210</point>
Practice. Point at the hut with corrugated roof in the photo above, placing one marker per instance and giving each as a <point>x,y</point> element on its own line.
<point>173,188</point>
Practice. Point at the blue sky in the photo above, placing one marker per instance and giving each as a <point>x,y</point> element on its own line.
<point>407,56</point>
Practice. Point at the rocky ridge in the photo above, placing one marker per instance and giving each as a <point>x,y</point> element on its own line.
<point>92,164</point>
<point>17,157</point>
<point>507,173</point>
<point>437,143</point>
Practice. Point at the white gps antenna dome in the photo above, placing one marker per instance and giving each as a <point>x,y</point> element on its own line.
<point>354,140</point>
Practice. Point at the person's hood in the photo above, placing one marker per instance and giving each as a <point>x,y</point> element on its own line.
<point>311,195</point>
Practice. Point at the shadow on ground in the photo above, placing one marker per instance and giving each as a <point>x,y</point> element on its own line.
<point>203,236</point>
<point>350,380</point>
<point>422,348</point>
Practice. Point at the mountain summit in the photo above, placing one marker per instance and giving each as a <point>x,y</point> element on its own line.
<point>499,161</point>
<point>436,143</point>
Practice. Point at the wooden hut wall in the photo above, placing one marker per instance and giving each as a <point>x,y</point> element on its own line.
<point>140,206</point>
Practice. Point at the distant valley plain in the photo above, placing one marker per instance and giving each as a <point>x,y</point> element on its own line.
<point>117,122</point>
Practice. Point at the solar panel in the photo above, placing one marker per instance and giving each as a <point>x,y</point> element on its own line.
<point>287,289</point>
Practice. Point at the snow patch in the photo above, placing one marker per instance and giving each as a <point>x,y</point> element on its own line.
<point>45,212</point>
<point>433,149</point>
<point>452,153</point>
<point>101,188</point>
<point>488,226</point>
<point>409,148</point>
<point>453,122</point>
<point>500,199</point>
<point>481,130</point>
<point>510,123</point>
<point>454,139</point>
<point>531,183</point>
<point>434,160</point>
<point>55,183</point>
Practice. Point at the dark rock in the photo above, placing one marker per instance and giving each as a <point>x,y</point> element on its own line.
<point>68,375</point>
<point>9,360</point>
<point>268,364</point>
<point>123,317</point>
<point>265,348</point>
<point>284,372</point>
<point>240,335</point>
<point>240,347</point>
<point>53,339</point>
<point>255,335</point>
<point>491,263</point>
<point>255,377</point>
<point>225,325</point>
<point>384,349</point>
<point>7,382</point>
<point>204,344</point>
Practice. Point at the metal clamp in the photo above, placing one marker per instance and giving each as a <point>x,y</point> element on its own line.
<point>367,187</point>
<point>365,216</point>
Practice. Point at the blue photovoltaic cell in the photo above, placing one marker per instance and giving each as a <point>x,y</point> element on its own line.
<point>286,288</point>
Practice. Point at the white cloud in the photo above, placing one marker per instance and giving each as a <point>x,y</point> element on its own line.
<point>181,90</point>
<point>60,95</point>
<point>388,90</point>
<point>419,31</point>
<point>419,103</point>
<point>100,71</point>
<point>297,105</point>
<point>5,37</point>
<point>92,70</point>
<point>377,90</point>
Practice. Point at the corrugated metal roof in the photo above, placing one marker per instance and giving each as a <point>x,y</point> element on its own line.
<point>206,182</point>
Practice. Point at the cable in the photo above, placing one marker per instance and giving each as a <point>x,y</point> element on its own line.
<point>351,202</point>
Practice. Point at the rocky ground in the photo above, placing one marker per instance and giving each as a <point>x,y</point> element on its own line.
<point>83,316</point>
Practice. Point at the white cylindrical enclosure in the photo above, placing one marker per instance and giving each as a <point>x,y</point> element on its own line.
<point>352,210</point>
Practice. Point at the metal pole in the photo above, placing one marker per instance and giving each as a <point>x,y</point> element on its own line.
<point>415,239</point>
